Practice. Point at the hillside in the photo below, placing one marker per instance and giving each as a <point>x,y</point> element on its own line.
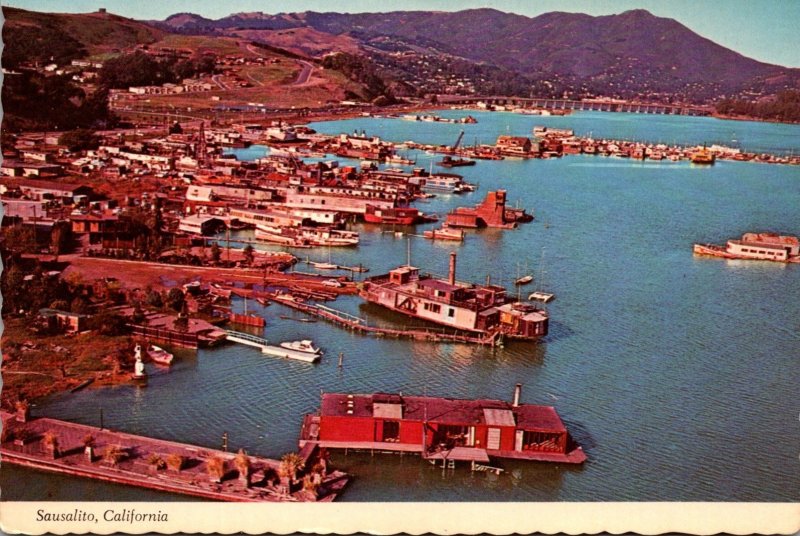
<point>631,54</point>
<point>33,37</point>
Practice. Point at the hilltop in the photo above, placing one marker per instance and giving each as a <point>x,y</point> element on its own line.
<point>632,54</point>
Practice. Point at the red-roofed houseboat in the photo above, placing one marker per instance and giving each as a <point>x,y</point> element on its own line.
<point>441,428</point>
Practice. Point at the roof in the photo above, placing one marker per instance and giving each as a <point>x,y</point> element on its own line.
<point>443,410</point>
<point>770,238</point>
<point>438,284</point>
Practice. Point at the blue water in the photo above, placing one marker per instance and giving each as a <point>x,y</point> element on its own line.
<point>676,373</point>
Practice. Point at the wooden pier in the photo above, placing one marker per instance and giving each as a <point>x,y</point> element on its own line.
<point>353,323</point>
<point>151,463</point>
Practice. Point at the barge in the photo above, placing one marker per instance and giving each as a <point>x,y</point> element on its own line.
<point>755,246</point>
<point>441,428</point>
<point>475,308</point>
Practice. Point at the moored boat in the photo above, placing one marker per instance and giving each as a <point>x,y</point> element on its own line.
<point>755,246</point>
<point>158,355</point>
<point>449,161</point>
<point>307,236</point>
<point>702,156</point>
<point>445,233</point>
<point>305,346</point>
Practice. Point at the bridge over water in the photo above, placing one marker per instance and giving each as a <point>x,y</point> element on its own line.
<point>568,104</point>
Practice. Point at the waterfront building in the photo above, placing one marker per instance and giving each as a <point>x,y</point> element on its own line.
<point>441,428</point>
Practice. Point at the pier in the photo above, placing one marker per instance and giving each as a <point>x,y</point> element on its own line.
<point>60,447</point>
<point>268,349</point>
<point>359,325</point>
<point>584,105</point>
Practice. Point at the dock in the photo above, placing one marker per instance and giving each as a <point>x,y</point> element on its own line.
<point>268,349</point>
<point>145,462</point>
<point>359,325</point>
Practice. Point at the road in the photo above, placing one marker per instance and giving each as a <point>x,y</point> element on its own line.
<point>305,73</point>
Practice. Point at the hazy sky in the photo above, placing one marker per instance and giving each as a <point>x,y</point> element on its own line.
<point>766,30</point>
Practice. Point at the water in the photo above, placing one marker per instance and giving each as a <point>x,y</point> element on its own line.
<point>676,373</point>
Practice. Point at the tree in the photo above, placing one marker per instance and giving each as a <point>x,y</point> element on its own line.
<point>175,299</point>
<point>80,139</point>
<point>114,454</point>
<point>176,128</point>
<point>79,305</point>
<point>242,463</point>
<point>108,323</point>
<point>291,463</point>
<point>216,253</point>
<point>153,298</point>
<point>216,468</point>
<point>249,255</point>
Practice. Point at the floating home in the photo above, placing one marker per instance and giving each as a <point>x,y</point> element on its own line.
<point>484,309</point>
<point>441,428</point>
<point>756,246</point>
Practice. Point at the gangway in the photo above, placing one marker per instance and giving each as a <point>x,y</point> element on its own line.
<point>268,349</point>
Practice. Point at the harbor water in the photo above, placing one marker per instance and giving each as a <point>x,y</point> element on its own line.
<point>677,374</point>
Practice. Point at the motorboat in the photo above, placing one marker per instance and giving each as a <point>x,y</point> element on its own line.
<point>159,355</point>
<point>305,346</point>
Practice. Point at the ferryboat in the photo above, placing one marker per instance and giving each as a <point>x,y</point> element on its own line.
<point>442,429</point>
<point>306,236</point>
<point>755,246</point>
<point>487,310</point>
<point>702,156</point>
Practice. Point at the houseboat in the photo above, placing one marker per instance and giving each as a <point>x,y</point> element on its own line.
<point>755,246</point>
<point>306,236</point>
<point>441,428</point>
<point>487,310</point>
<point>443,182</point>
<point>393,215</point>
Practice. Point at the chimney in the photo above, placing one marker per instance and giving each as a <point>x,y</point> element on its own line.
<point>517,392</point>
<point>453,268</point>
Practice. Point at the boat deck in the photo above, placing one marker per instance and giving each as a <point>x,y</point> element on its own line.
<point>135,468</point>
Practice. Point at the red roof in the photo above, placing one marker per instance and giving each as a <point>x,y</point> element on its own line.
<point>442,410</point>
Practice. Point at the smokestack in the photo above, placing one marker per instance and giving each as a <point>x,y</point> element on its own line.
<point>453,268</point>
<point>517,393</point>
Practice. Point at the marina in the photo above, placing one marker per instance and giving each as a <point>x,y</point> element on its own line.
<point>610,347</point>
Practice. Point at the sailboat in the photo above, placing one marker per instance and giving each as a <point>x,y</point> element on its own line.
<point>541,295</point>
<point>324,265</point>
<point>524,280</point>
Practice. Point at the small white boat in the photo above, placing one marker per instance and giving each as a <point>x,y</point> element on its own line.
<point>324,265</point>
<point>159,355</point>
<point>524,280</point>
<point>305,346</point>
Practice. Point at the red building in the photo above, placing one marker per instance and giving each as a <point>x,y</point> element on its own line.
<point>492,212</point>
<point>441,428</point>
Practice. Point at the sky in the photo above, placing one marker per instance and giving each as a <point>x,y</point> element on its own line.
<point>765,30</point>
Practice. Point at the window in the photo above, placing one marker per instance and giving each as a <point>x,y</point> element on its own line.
<point>451,313</point>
